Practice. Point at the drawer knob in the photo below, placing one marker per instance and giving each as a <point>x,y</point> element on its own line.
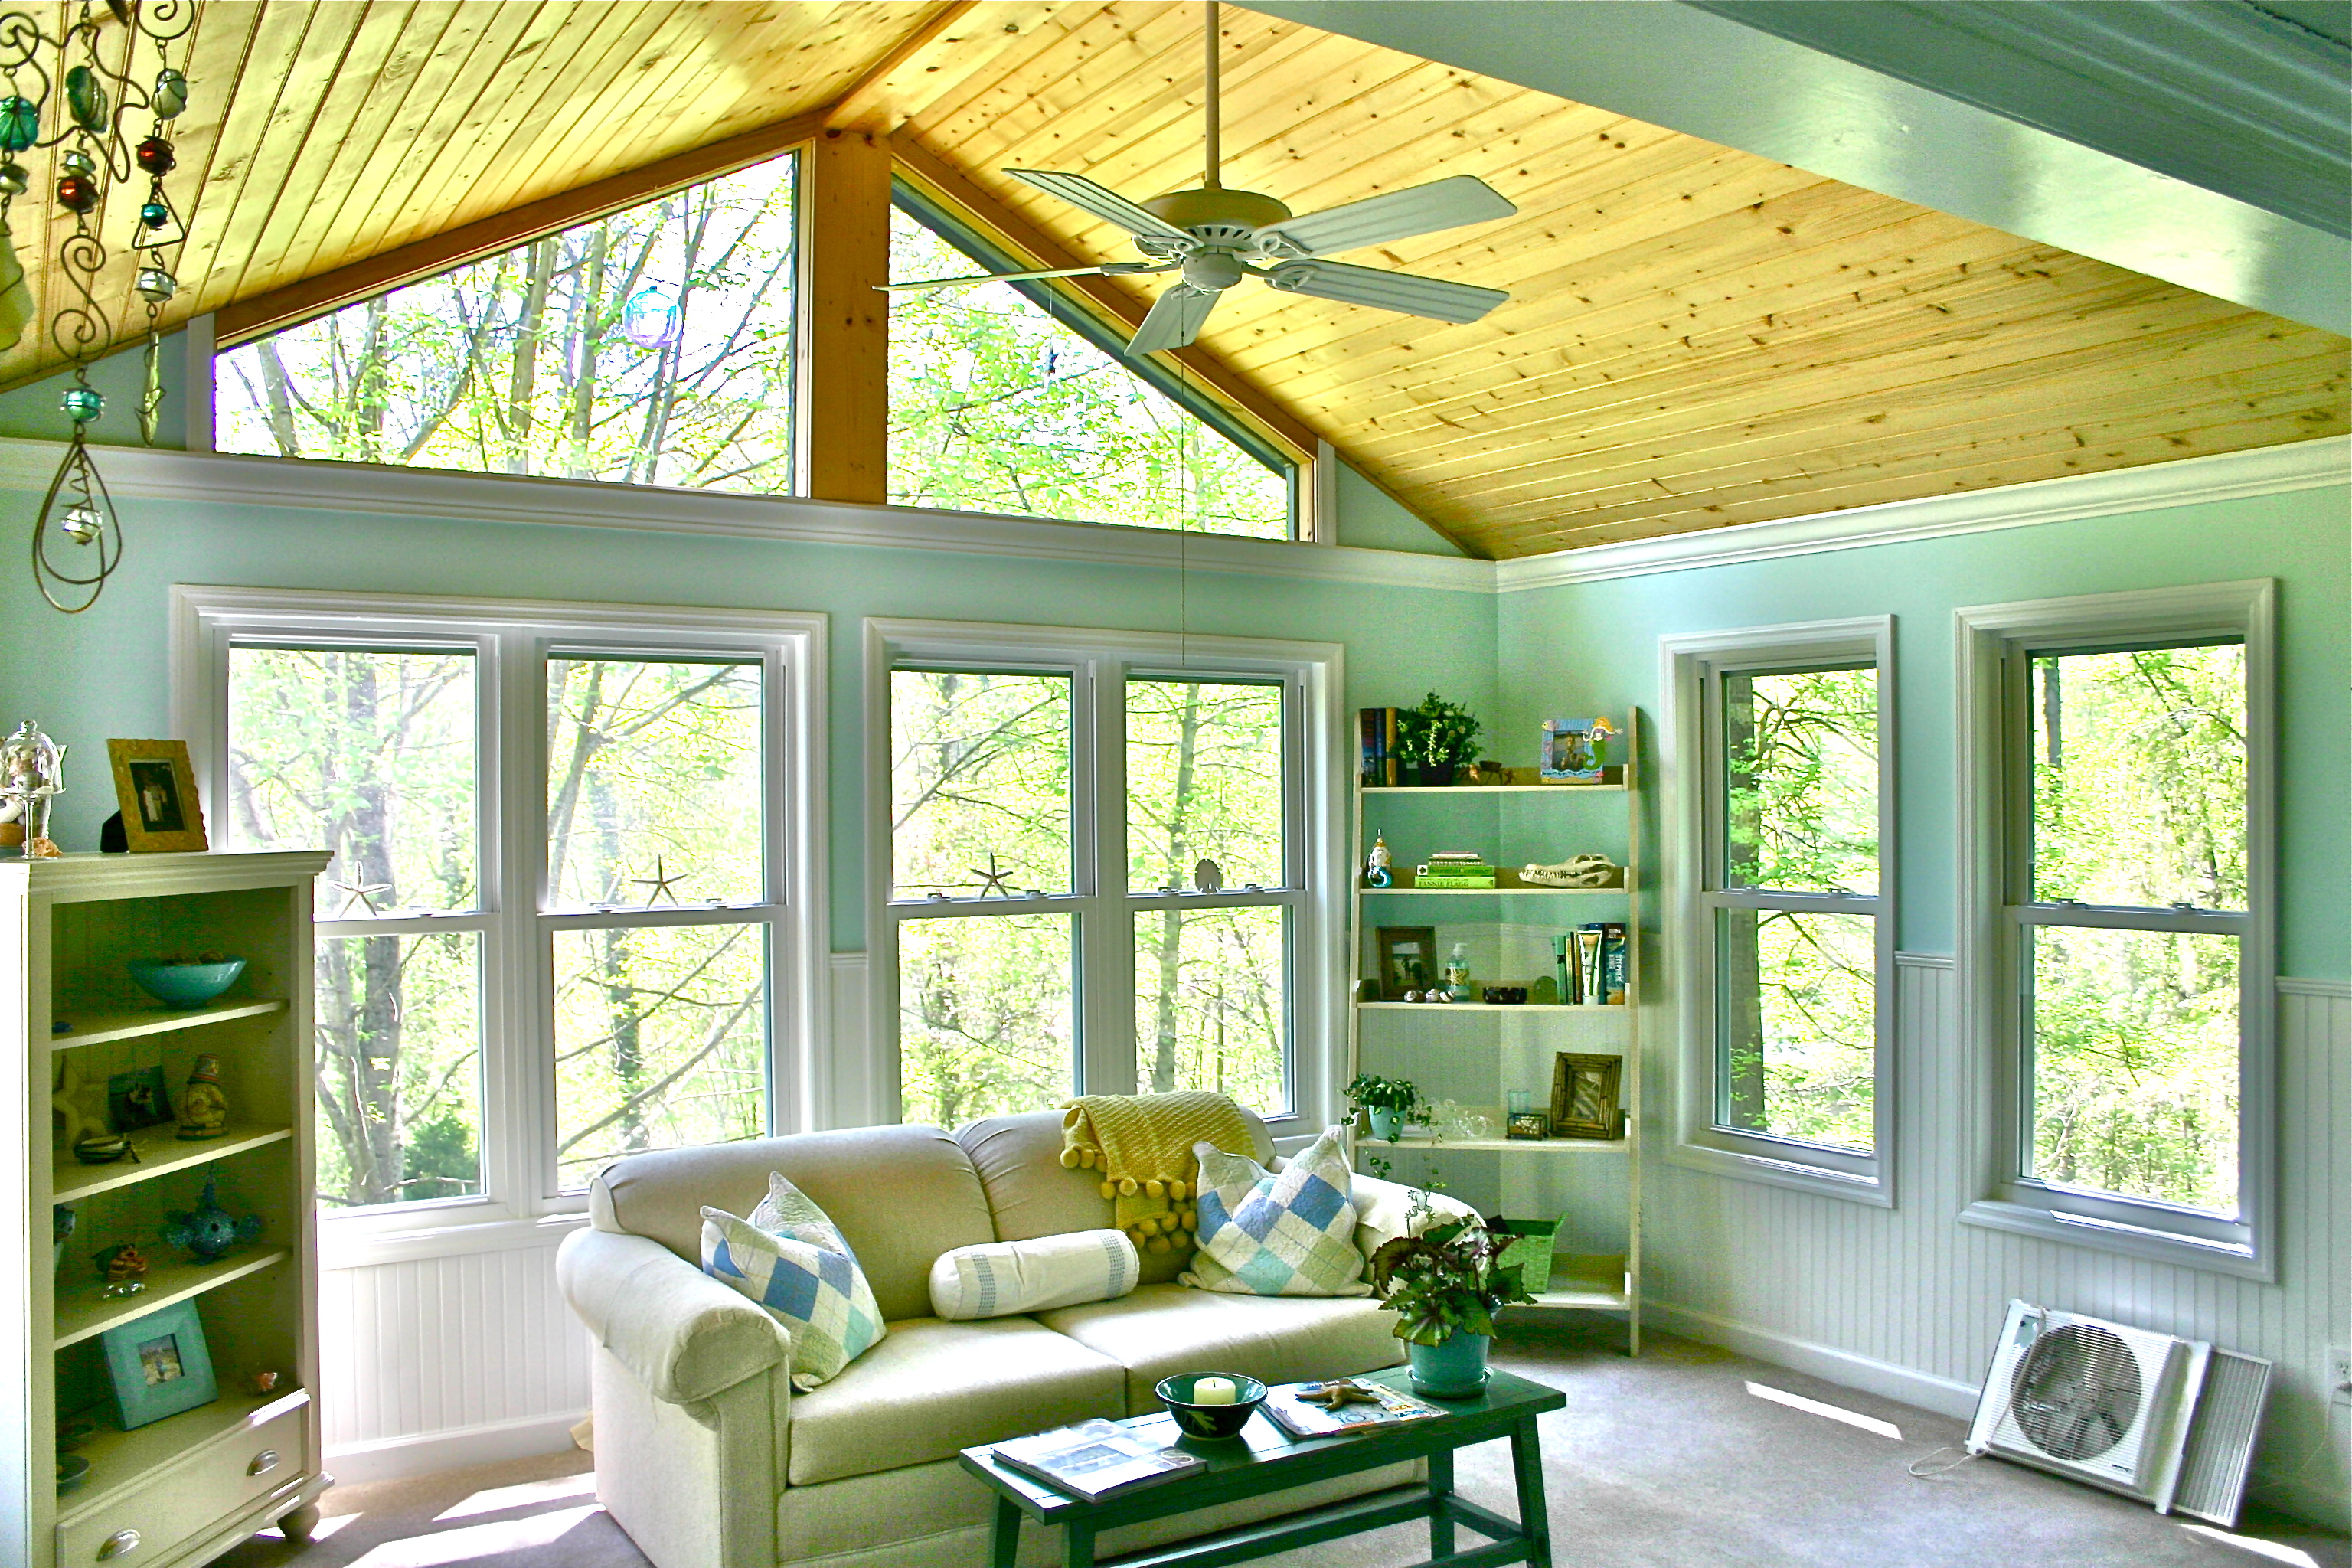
<point>263,1463</point>
<point>121,1543</point>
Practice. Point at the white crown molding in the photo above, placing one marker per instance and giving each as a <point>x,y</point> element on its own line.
<point>241,479</point>
<point>2225,476</point>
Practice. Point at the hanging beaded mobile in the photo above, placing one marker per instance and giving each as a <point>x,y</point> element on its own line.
<point>78,515</point>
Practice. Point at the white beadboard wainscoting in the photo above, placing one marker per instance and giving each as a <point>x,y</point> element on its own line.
<point>1907,1302</point>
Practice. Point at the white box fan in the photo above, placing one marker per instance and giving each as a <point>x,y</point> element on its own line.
<point>2169,1421</point>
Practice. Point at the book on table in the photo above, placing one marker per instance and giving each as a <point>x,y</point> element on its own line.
<point>1097,1460</point>
<point>1287,1409</point>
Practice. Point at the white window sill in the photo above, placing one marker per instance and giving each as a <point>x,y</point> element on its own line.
<point>2113,1235</point>
<point>358,1249</point>
<point>1873,1190</point>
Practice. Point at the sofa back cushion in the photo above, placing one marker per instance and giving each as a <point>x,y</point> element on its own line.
<point>1019,1161</point>
<point>901,1195</point>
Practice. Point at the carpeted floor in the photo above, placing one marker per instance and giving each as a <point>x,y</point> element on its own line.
<point>1664,1462</point>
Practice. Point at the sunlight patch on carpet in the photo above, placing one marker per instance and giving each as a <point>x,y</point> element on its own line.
<point>527,1494</point>
<point>475,1542</point>
<point>1816,1407</point>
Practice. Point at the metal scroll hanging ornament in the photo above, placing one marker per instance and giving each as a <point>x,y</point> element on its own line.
<point>74,93</point>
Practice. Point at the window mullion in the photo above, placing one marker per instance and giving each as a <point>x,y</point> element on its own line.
<point>1106,933</point>
<point>521,1112</point>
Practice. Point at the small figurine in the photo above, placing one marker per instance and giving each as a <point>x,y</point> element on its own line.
<point>209,1230</point>
<point>265,1382</point>
<point>1376,864</point>
<point>204,1108</point>
<point>62,1220</point>
<point>121,1265</point>
<point>31,772</point>
<point>1208,877</point>
<point>1457,974</point>
<point>104,1149</point>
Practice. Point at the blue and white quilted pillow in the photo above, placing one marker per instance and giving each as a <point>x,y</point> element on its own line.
<point>791,1259</point>
<point>1291,1233</point>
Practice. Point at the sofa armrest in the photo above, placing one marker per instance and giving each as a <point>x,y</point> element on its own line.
<point>683,1334</point>
<point>1381,1210</point>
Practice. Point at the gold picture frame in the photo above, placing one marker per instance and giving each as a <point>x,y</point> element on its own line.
<point>1584,1094</point>
<point>156,787</point>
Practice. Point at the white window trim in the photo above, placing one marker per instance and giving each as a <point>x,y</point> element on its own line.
<point>1685,664</point>
<point>519,1165</point>
<point>1316,672</point>
<point>1989,637</point>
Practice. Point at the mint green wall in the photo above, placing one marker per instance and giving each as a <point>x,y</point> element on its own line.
<point>1593,646</point>
<point>1373,520</point>
<point>105,672</point>
<point>33,414</point>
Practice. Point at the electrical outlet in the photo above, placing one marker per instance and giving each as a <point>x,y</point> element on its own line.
<point>2339,1373</point>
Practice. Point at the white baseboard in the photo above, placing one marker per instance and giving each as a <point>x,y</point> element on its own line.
<point>1844,1368</point>
<point>394,1459</point>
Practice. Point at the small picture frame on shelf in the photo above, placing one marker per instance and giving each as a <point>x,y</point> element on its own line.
<point>1584,1094</point>
<point>158,1365</point>
<point>1408,960</point>
<point>1576,750</point>
<point>138,1099</point>
<point>157,788</point>
<point>1530,1124</point>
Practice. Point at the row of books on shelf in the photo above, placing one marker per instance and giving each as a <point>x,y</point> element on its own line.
<point>1590,964</point>
<point>1098,1459</point>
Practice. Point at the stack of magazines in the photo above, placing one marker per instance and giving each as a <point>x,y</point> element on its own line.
<point>1097,1460</point>
<point>1294,1415</point>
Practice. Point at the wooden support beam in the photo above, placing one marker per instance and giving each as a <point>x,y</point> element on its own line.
<point>247,320</point>
<point>949,186</point>
<point>844,350</point>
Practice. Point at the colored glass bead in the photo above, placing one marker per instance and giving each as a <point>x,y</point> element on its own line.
<point>155,156</point>
<point>77,161</point>
<point>86,98</point>
<point>82,523</point>
<point>155,285</point>
<point>14,180</point>
<point>154,214</point>
<point>20,123</point>
<point>75,193</point>
<point>83,404</point>
<point>171,93</point>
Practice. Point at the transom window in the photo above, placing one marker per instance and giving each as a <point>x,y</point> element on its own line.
<point>1100,877</point>
<point>1783,824</point>
<point>555,928</point>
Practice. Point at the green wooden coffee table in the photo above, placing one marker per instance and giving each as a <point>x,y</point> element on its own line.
<point>1264,1459</point>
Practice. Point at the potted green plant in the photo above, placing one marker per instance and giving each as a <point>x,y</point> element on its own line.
<point>1389,1101</point>
<point>1437,738</point>
<point>1446,1282</point>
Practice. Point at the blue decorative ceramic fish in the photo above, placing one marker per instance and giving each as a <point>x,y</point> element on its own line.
<point>209,1230</point>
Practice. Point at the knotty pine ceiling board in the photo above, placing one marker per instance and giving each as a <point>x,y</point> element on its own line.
<point>1697,336</point>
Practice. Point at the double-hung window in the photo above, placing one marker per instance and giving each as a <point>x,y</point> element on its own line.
<point>1785,941</point>
<point>1105,861</point>
<point>2118,937</point>
<point>565,916</point>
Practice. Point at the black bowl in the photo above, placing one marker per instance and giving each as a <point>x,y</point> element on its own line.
<point>1210,1420</point>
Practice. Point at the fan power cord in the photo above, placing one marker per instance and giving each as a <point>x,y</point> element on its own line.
<point>1927,1470</point>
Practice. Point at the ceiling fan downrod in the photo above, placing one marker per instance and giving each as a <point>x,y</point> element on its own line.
<point>1209,180</point>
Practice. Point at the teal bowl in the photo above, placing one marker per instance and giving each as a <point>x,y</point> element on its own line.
<point>184,984</point>
<point>1211,1421</point>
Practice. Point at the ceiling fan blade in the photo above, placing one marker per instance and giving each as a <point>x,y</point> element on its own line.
<point>1399,214</point>
<point>1175,319</point>
<point>1107,205</point>
<point>1401,291</point>
<point>1110,269</point>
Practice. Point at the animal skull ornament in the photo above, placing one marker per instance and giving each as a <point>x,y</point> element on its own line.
<point>1576,871</point>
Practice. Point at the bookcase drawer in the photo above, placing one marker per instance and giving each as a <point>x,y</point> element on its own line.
<point>146,1523</point>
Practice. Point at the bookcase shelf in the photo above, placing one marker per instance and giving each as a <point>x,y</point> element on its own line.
<point>1376,1042</point>
<point>192,1483</point>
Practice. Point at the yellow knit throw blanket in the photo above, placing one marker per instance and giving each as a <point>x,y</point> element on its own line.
<point>1143,1143</point>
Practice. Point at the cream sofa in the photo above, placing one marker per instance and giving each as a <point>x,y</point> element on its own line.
<point>708,1459</point>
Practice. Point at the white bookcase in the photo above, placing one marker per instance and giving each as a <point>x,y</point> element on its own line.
<point>1455,1050</point>
<point>184,1489</point>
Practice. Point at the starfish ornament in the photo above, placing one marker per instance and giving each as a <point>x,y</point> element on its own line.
<point>1337,1396</point>
<point>360,892</point>
<point>992,880</point>
<point>661,883</point>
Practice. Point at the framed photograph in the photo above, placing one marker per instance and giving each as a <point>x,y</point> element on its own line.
<point>158,1365</point>
<point>1529,1124</point>
<point>1408,960</point>
<point>1584,1094</point>
<point>1575,751</point>
<point>138,1099</point>
<point>157,790</point>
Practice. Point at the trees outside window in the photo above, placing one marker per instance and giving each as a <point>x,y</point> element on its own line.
<point>498,1025</point>
<point>1046,831</point>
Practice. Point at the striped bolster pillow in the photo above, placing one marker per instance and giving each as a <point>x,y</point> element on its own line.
<point>1002,1278</point>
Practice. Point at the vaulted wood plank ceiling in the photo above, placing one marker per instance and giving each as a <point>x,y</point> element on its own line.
<point>1697,336</point>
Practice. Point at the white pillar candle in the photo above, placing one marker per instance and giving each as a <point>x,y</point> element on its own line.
<point>1213,1390</point>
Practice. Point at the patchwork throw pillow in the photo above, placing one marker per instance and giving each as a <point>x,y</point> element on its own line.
<point>791,1259</point>
<point>999,1278</point>
<point>1287,1233</point>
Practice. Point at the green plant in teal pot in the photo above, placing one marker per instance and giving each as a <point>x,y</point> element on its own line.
<point>1446,1282</point>
<point>1389,1102</point>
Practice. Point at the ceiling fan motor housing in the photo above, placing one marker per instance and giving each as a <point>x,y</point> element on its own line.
<point>1243,212</point>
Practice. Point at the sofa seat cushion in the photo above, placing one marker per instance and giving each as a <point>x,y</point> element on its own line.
<point>1162,1330</point>
<point>933,1387</point>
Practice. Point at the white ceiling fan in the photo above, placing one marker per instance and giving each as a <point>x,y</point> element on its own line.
<point>1214,238</point>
